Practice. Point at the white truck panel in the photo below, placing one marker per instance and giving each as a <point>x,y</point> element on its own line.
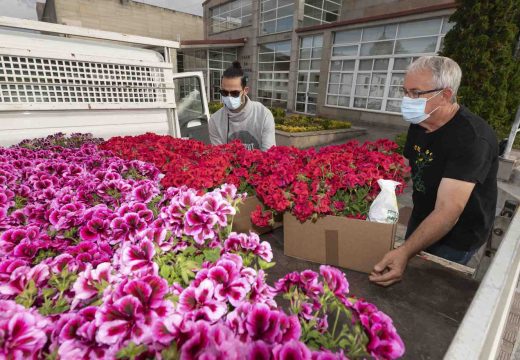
<point>16,126</point>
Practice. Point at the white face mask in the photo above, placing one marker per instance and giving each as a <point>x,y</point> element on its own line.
<point>231,102</point>
<point>414,110</point>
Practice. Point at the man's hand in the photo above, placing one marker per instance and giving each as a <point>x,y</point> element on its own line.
<point>390,270</point>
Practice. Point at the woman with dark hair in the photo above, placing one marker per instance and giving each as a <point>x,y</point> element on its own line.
<point>241,118</point>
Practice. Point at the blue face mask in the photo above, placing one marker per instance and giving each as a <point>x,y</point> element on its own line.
<point>414,110</point>
<point>231,102</point>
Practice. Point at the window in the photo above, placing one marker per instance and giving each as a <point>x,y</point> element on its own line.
<point>317,12</point>
<point>231,15</point>
<point>212,62</point>
<point>276,16</point>
<point>368,65</point>
<point>309,73</point>
<point>219,60</point>
<point>273,76</point>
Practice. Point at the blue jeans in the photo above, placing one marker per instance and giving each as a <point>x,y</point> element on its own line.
<point>441,250</point>
<point>451,254</point>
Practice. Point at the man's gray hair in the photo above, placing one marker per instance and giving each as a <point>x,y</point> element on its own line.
<point>446,72</point>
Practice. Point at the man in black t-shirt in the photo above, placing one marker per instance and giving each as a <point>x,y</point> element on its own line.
<point>453,154</point>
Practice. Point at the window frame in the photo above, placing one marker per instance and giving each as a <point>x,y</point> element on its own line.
<point>276,19</point>
<point>389,70</point>
<point>243,4</point>
<point>272,79</point>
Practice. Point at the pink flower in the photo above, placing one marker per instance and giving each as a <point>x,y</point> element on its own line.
<point>248,243</point>
<point>21,276</point>
<point>122,320</point>
<point>258,350</point>
<point>89,282</point>
<point>335,280</point>
<point>131,311</point>
<point>271,326</point>
<point>77,338</point>
<point>213,203</point>
<point>167,329</point>
<point>22,332</point>
<point>384,342</point>
<point>261,292</point>
<point>145,192</point>
<point>230,285</point>
<point>137,259</point>
<point>292,350</point>
<point>200,224</point>
<point>200,302</point>
<point>95,229</point>
<point>211,342</point>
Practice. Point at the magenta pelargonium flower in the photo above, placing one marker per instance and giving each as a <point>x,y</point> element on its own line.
<point>207,341</point>
<point>131,310</point>
<point>20,278</point>
<point>77,337</point>
<point>249,243</point>
<point>214,203</point>
<point>137,260</point>
<point>199,302</point>
<point>200,224</point>
<point>230,285</point>
<point>259,322</point>
<point>22,332</point>
<point>91,281</point>
<point>145,192</point>
<point>292,350</point>
<point>384,342</point>
<point>335,280</point>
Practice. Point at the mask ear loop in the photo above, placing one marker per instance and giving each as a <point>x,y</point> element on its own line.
<point>434,110</point>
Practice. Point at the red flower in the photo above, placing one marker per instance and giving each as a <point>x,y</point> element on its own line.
<point>335,180</point>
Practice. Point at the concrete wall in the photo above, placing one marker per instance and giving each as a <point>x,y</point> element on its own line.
<point>127,17</point>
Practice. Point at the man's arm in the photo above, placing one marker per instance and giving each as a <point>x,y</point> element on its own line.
<point>452,197</point>
<point>268,132</point>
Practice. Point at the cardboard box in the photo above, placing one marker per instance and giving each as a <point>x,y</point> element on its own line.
<point>339,241</point>
<point>242,221</point>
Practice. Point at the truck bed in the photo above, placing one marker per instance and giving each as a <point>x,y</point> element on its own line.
<point>427,306</point>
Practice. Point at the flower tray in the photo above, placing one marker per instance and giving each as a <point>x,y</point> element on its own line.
<point>350,243</point>
<point>242,222</point>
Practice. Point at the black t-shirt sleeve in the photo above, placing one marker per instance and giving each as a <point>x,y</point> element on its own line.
<point>408,145</point>
<point>469,162</point>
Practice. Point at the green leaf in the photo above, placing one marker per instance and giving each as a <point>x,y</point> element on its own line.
<point>170,353</point>
<point>211,255</point>
<point>43,254</point>
<point>28,296</point>
<point>264,265</point>
<point>131,351</point>
<point>52,356</point>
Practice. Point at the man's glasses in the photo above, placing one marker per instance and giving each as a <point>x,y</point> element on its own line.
<point>414,94</point>
<point>233,93</point>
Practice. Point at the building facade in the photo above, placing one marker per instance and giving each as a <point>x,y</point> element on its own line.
<point>125,16</point>
<point>337,58</point>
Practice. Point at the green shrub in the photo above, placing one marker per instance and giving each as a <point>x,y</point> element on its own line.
<point>278,113</point>
<point>483,42</point>
<point>214,106</point>
<point>400,140</point>
<point>303,123</point>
